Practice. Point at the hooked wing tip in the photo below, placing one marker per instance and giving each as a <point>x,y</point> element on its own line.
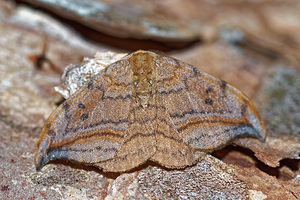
<point>261,137</point>
<point>40,162</point>
<point>42,156</point>
<point>258,129</point>
<point>257,134</point>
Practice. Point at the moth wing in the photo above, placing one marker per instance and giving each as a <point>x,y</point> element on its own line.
<point>90,126</point>
<point>207,112</point>
<point>171,151</point>
<point>139,144</point>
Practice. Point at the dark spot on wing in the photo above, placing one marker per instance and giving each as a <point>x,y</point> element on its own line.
<point>243,110</point>
<point>84,117</point>
<point>66,106</point>
<point>90,84</point>
<point>81,106</point>
<point>209,101</point>
<point>223,85</point>
<point>208,90</point>
<point>195,70</point>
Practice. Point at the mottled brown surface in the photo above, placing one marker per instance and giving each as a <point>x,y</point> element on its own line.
<point>27,98</point>
<point>275,91</point>
<point>279,99</point>
<point>243,41</point>
<point>130,19</point>
<point>209,178</point>
<point>261,185</point>
<point>144,107</point>
<point>226,62</point>
<point>19,179</point>
<point>24,104</point>
<point>267,27</point>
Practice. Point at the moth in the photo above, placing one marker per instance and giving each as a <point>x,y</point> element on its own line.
<point>147,107</point>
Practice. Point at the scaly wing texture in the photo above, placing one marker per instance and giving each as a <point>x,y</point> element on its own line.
<point>171,150</point>
<point>92,124</point>
<point>103,124</point>
<point>206,112</point>
<point>147,106</point>
<point>139,143</point>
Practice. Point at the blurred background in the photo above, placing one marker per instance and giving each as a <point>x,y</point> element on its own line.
<point>252,44</point>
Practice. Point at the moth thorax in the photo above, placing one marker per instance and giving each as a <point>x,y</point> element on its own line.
<point>143,75</point>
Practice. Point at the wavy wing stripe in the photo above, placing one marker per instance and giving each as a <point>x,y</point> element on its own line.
<point>83,138</point>
<point>210,122</point>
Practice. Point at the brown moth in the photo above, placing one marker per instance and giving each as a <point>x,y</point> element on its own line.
<point>147,107</point>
